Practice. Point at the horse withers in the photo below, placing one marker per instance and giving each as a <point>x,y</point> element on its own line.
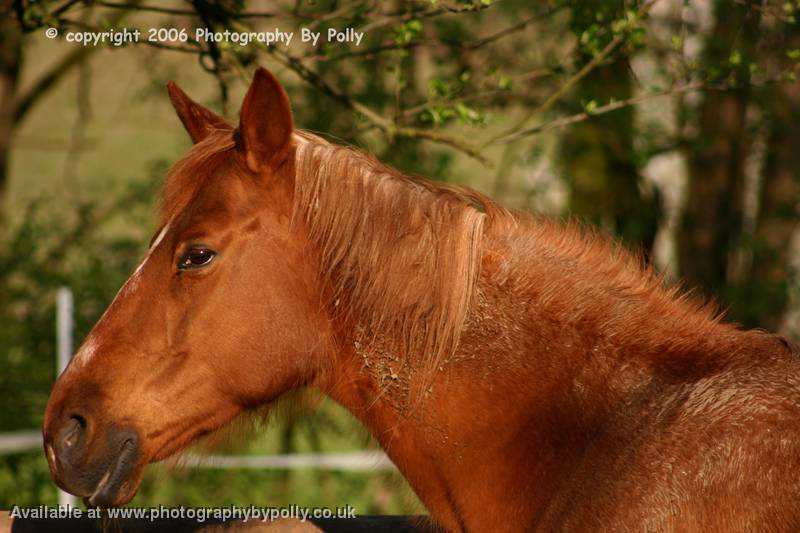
<point>522,374</point>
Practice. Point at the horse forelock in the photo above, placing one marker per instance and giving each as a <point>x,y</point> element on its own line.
<point>189,174</point>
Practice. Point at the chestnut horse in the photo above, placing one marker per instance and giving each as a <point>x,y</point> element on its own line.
<point>522,374</point>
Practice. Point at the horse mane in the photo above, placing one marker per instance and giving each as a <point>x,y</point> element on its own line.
<point>585,277</point>
<point>407,253</point>
<point>402,253</point>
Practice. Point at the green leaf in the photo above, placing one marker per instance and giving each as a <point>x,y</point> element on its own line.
<point>437,88</point>
<point>469,115</point>
<point>414,26</point>
<point>406,33</point>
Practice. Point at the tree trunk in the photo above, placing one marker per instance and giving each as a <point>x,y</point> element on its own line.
<point>716,156</point>
<point>598,154</point>
<point>780,200</point>
<point>10,63</point>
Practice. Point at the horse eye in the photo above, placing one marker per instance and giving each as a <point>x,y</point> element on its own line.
<point>196,257</point>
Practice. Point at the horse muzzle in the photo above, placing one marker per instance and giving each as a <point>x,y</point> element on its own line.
<point>99,466</point>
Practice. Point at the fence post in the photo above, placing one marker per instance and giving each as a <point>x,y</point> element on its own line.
<point>64,351</point>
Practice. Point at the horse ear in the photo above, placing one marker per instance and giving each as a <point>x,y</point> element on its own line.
<point>198,120</point>
<point>265,123</point>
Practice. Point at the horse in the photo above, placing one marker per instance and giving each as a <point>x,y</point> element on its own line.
<point>524,374</point>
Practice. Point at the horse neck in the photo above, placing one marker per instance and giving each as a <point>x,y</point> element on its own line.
<point>552,345</point>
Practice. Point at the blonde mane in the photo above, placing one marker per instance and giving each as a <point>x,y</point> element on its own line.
<point>402,253</point>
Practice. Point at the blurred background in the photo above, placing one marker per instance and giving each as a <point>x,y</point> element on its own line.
<point>672,124</point>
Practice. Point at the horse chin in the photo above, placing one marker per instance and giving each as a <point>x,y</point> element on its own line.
<point>121,480</point>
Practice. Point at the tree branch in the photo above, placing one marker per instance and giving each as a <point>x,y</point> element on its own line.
<point>25,100</point>
<point>186,12</point>
<point>604,54</point>
<point>634,100</point>
<point>386,125</point>
<point>602,110</point>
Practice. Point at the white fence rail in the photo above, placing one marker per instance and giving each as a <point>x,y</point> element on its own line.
<point>356,461</point>
<point>64,320</point>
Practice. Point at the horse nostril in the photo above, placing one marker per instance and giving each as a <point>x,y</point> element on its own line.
<point>80,420</point>
<point>71,436</point>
